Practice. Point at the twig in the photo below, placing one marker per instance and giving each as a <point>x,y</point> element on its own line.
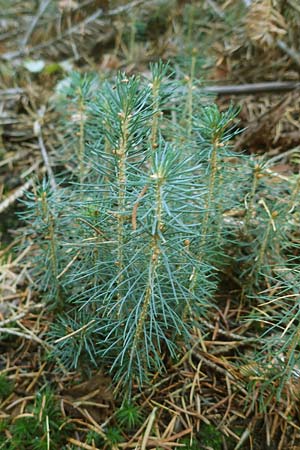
<point>15,195</point>
<point>38,132</point>
<point>11,92</point>
<point>213,362</point>
<point>31,336</point>
<point>74,332</point>
<point>282,155</point>
<point>42,8</point>
<point>82,444</point>
<point>48,432</point>
<point>243,438</point>
<point>253,88</point>
<point>228,334</point>
<point>20,316</point>
<point>244,89</point>
<point>68,266</point>
<point>148,429</point>
<point>291,52</point>
<point>36,377</point>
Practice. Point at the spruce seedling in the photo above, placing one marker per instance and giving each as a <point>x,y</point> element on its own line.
<point>138,241</point>
<point>135,270</point>
<point>133,233</point>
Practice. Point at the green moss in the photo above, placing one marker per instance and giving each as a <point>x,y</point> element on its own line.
<point>210,436</point>
<point>93,438</point>
<point>113,438</point>
<point>26,434</point>
<point>6,387</point>
<point>35,431</point>
<point>190,445</point>
<point>129,416</point>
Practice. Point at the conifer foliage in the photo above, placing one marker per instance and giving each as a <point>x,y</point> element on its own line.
<point>132,244</point>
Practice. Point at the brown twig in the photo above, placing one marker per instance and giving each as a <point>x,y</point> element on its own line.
<point>38,132</point>
<point>11,92</point>
<point>42,8</point>
<point>252,88</point>
<point>291,52</point>
<point>18,193</point>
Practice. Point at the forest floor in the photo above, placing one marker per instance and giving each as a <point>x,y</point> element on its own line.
<point>202,402</point>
